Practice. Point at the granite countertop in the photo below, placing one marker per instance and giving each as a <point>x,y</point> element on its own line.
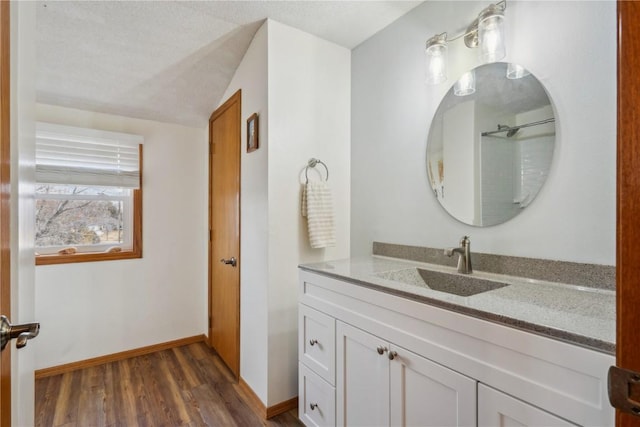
<point>578,315</point>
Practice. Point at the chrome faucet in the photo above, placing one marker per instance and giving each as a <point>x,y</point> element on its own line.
<point>464,251</point>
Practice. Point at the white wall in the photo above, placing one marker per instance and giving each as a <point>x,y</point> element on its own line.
<point>309,116</point>
<point>23,60</point>
<point>251,77</point>
<point>458,194</point>
<point>98,308</point>
<point>300,87</point>
<point>571,48</point>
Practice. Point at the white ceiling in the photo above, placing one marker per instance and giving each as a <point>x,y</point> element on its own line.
<point>171,61</point>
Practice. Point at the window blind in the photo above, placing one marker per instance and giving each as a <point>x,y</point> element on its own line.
<point>80,156</point>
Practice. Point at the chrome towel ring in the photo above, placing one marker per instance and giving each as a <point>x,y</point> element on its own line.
<point>312,164</point>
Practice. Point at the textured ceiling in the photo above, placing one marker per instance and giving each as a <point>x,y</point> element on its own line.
<point>171,61</point>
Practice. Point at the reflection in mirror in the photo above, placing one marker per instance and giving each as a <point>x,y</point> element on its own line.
<point>490,152</point>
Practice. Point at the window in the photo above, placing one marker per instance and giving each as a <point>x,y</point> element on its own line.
<point>88,195</point>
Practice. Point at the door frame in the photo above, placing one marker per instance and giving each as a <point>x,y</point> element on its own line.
<point>5,180</point>
<point>628,195</point>
<point>233,99</point>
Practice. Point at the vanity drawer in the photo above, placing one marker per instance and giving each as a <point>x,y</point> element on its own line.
<point>496,408</point>
<point>317,338</point>
<point>316,399</point>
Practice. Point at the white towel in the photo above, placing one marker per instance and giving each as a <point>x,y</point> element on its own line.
<point>317,207</point>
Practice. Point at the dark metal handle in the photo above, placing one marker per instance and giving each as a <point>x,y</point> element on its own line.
<point>313,406</point>
<point>393,355</point>
<point>231,261</point>
<point>624,390</point>
<point>381,349</point>
<point>313,342</point>
<point>23,332</point>
<point>24,337</point>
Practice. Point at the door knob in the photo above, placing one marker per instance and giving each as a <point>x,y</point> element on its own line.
<point>22,333</point>
<point>231,261</point>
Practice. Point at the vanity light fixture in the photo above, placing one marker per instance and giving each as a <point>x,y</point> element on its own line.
<point>515,71</point>
<point>491,33</point>
<point>436,59</point>
<point>466,85</point>
<point>486,32</point>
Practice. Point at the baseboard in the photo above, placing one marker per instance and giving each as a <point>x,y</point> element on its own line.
<point>282,407</point>
<point>252,398</point>
<point>265,412</point>
<point>96,361</point>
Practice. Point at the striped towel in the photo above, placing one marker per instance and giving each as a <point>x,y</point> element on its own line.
<point>317,207</point>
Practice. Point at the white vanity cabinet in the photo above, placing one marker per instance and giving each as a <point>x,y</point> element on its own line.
<point>362,392</point>
<point>317,361</point>
<point>317,399</point>
<point>380,359</point>
<point>496,409</point>
<point>424,393</point>
<point>317,342</point>
<point>379,383</point>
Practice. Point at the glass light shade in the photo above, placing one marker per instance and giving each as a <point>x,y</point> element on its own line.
<point>436,62</point>
<point>515,71</point>
<point>491,35</point>
<point>466,85</point>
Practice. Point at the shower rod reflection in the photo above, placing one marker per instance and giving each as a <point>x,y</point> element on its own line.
<point>511,130</point>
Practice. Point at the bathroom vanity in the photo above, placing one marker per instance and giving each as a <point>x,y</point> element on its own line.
<point>377,347</point>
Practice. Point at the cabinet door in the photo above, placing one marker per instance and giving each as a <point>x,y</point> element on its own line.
<point>362,378</point>
<point>496,409</point>
<point>424,393</point>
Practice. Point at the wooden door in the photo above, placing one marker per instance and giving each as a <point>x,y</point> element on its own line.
<point>424,393</point>
<point>5,258</point>
<point>628,195</point>
<point>224,223</point>
<point>362,378</point>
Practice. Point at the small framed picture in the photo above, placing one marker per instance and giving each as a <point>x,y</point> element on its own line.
<point>253,142</point>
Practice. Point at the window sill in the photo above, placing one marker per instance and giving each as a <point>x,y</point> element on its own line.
<point>86,257</point>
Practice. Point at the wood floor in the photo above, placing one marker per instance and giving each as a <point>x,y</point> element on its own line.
<point>184,386</point>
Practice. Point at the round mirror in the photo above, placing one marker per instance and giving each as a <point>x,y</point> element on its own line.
<point>491,144</point>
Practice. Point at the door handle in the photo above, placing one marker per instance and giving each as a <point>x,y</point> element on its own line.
<point>624,390</point>
<point>231,261</point>
<point>22,333</point>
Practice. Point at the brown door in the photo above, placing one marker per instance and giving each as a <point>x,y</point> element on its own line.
<point>224,223</point>
<point>5,276</point>
<point>628,179</point>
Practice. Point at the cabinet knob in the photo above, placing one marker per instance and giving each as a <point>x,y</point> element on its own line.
<point>313,342</point>
<point>381,349</point>
<point>393,355</point>
<point>313,406</point>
